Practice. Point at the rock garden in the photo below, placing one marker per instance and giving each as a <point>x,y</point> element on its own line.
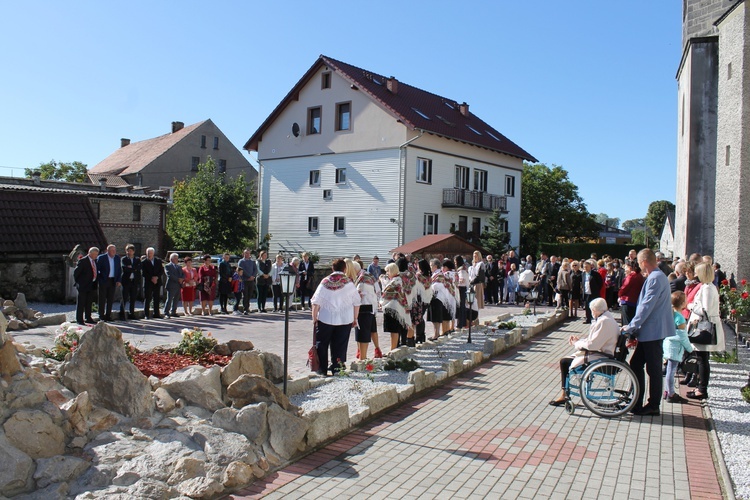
<point>96,418</point>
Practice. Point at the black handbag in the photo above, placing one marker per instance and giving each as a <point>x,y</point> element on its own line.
<point>690,363</point>
<point>703,332</point>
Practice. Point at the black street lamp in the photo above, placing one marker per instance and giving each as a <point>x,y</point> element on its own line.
<point>288,279</point>
<point>470,296</point>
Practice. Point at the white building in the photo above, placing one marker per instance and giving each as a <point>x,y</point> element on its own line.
<point>356,162</point>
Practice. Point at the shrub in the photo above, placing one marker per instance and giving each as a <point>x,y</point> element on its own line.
<point>194,343</point>
<point>66,341</point>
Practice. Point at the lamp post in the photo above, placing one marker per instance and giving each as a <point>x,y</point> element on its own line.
<point>470,296</point>
<point>288,278</point>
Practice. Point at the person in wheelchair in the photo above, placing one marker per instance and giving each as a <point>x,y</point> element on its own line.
<point>600,343</point>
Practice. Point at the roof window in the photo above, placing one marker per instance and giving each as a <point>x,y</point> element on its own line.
<point>492,135</point>
<point>421,114</point>
<point>449,105</point>
<point>473,130</point>
<point>445,120</point>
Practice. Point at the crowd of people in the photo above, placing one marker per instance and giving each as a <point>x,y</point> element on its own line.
<point>655,308</point>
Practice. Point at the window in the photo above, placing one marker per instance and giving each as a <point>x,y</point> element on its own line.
<point>325,80</point>
<point>510,185</point>
<point>424,170</point>
<point>313,121</point>
<point>476,226</point>
<point>503,226</point>
<point>136,212</point>
<point>420,113</point>
<point>339,224</point>
<point>222,166</point>
<point>203,141</point>
<point>95,206</point>
<point>462,224</point>
<point>327,194</point>
<point>194,163</point>
<point>315,177</point>
<point>729,71</point>
<point>462,177</point>
<point>340,176</point>
<point>473,130</point>
<point>480,180</point>
<point>430,224</point>
<point>312,224</point>
<point>492,135</point>
<point>726,160</point>
<point>216,143</point>
<point>343,116</point>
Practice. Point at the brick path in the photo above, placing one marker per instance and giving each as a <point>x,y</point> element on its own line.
<point>490,433</point>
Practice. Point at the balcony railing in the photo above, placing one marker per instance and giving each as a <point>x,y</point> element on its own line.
<point>474,200</point>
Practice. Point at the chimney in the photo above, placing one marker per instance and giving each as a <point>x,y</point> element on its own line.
<point>124,142</point>
<point>177,126</point>
<point>392,85</point>
<point>36,175</point>
<point>103,183</point>
<point>464,109</point>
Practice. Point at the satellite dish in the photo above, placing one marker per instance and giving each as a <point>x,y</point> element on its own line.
<point>295,129</point>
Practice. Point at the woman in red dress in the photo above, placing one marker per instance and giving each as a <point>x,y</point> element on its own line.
<point>188,286</point>
<point>207,285</point>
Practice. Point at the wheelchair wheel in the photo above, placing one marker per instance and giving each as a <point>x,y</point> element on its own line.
<point>570,407</point>
<point>609,388</point>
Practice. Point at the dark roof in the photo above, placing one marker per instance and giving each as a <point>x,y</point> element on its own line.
<point>414,107</point>
<point>88,190</point>
<point>136,156</point>
<point>46,222</point>
<point>611,230</point>
<point>450,244</point>
<point>111,180</point>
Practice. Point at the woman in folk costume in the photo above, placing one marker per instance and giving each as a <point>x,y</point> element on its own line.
<point>396,315</point>
<point>367,328</point>
<point>449,271</point>
<point>411,289</point>
<point>443,301</point>
<point>335,307</point>
<point>424,297</point>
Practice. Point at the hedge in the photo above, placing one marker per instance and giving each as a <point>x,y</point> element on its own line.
<point>584,250</point>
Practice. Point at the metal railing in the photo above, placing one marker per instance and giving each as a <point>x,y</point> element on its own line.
<point>475,200</point>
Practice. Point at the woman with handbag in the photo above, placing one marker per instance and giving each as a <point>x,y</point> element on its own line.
<point>705,307</point>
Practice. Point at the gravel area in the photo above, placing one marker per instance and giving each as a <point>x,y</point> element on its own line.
<point>731,416</point>
<point>353,387</point>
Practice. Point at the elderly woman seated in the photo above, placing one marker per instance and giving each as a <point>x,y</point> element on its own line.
<point>600,343</point>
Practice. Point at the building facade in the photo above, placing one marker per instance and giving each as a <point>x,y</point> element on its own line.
<point>355,162</point>
<point>163,160</point>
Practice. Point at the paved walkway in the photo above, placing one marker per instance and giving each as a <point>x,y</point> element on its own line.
<point>491,434</point>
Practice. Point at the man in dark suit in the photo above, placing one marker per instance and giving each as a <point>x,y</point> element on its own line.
<point>490,293</point>
<point>678,284</point>
<point>131,277</point>
<point>306,278</point>
<point>592,285</point>
<point>554,270</point>
<point>85,276</point>
<point>109,278</point>
<point>153,270</point>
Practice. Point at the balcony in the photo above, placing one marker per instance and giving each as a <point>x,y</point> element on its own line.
<point>474,200</point>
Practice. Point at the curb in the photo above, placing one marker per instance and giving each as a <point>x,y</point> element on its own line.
<point>726,484</point>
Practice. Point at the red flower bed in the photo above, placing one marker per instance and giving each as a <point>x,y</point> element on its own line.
<point>161,364</point>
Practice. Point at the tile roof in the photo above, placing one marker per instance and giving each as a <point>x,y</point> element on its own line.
<point>112,180</point>
<point>44,222</point>
<point>450,244</point>
<point>137,155</point>
<point>416,108</point>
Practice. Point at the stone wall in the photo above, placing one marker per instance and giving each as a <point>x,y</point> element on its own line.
<point>116,220</point>
<point>39,277</point>
<point>698,16</point>
<point>732,149</point>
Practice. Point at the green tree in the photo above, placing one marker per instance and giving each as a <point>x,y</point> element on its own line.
<point>60,171</point>
<point>657,214</point>
<point>495,239</point>
<point>607,220</point>
<point>212,213</point>
<point>631,224</point>
<point>551,208</point>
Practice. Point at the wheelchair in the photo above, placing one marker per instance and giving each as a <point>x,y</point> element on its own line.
<point>607,387</point>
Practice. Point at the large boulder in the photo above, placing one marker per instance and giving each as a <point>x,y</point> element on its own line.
<point>101,367</point>
<point>59,469</point>
<point>34,433</point>
<point>287,431</point>
<point>9,364</point>
<point>16,470</point>
<point>250,389</point>
<point>197,385</point>
<point>3,328</point>
<point>20,301</point>
<point>274,367</point>
<point>242,363</point>
<point>240,345</point>
<point>221,447</point>
<point>77,412</point>
<point>250,421</point>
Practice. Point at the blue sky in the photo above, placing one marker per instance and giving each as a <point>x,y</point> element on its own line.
<point>586,85</point>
